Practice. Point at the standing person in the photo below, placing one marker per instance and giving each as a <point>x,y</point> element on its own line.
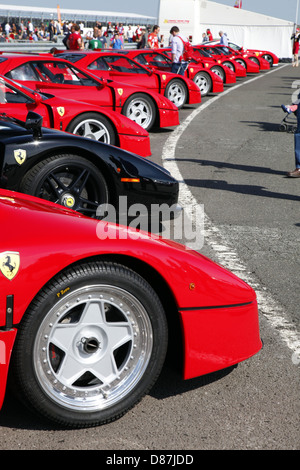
<point>103,39</point>
<point>138,33</point>
<point>94,42</point>
<point>116,42</point>
<point>51,30</point>
<point>296,38</point>
<point>296,173</point>
<point>142,42</point>
<point>204,37</point>
<point>74,41</point>
<point>178,65</point>
<point>209,34</point>
<point>223,40</point>
<point>129,34</point>
<point>153,38</point>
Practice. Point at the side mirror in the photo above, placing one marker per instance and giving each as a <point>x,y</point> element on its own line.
<point>34,123</point>
<point>37,98</point>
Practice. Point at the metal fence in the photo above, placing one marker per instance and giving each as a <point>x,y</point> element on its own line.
<point>41,46</point>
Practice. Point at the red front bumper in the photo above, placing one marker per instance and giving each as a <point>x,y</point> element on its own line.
<point>138,144</point>
<point>7,339</point>
<point>216,338</point>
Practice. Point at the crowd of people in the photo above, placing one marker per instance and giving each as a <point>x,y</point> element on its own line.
<point>109,35</point>
<point>25,30</point>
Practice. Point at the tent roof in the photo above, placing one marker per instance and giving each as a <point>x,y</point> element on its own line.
<point>216,13</point>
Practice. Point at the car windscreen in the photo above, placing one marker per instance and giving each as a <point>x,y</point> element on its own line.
<point>117,64</point>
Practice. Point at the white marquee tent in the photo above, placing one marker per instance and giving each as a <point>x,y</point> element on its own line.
<point>245,28</point>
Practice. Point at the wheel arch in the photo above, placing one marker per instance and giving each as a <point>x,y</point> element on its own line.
<point>157,117</point>
<point>76,151</point>
<point>85,113</point>
<point>179,77</point>
<point>162,289</point>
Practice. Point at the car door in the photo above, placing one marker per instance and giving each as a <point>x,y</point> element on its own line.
<point>63,80</point>
<point>122,69</point>
<point>16,103</point>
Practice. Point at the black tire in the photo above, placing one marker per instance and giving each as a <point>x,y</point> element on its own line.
<point>140,109</point>
<point>242,63</point>
<point>255,60</point>
<point>204,82</point>
<point>176,92</point>
<point>90,346</point>
<point>68,180</point>
<point>93,126</point>
<point>269,58</point>
<point>230,65</point>
<point>218,71</point>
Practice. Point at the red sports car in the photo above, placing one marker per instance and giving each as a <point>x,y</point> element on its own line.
<point>65,80</point>
<point>88,307</point>
<point>75,117</point>
<point>119,67</point>
<point>244,57</point>
<point>227,75</point>
<point>220,52</point>
<point>207,81</point>
<point>201,54</point>
<point>267,55</point>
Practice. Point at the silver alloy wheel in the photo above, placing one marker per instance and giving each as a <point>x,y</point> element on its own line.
<point>218,71</point>
<point>229,65</point>
<point>93,129</point>
<point>269,58</point>
<point>92,348</point>
<point>140,111</point>
<point>203,82</point>
<point>177,93</point>
<point>241,62</point>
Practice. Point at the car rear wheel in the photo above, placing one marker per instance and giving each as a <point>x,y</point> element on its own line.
<point>204,82</point>
<point>140,109</point>
<point>93,126</point>
<point>219,71</point>
<point>176,92</point>
<point>91,345</point>
<point>68,180</point>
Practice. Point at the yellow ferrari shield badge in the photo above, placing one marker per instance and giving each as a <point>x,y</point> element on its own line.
<point>164,77</point>
<point>9,264</point>
<point>61,111</point>
<point>20,156</point>
<point>120,91</point>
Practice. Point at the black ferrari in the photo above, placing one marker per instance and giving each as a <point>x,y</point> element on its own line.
<point>77,172</point>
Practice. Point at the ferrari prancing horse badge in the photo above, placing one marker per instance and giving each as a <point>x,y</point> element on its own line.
<point>61,111</point>
<point>20,156</point>
<point>9,263</point>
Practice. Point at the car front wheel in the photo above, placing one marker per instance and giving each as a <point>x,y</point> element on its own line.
<point>91,345</point>
<point>140,109</point>
<point>204,82</point>
<point>93,126</point>
<point>68,180</point>
<point>176,92</point>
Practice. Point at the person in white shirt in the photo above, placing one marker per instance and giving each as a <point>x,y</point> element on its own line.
<point>223,40</point>
<point>178,65</point>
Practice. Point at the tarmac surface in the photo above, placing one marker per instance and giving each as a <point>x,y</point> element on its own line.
<point>231,158</point>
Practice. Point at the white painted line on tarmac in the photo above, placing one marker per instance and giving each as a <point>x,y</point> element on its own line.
<point>216,240</point>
